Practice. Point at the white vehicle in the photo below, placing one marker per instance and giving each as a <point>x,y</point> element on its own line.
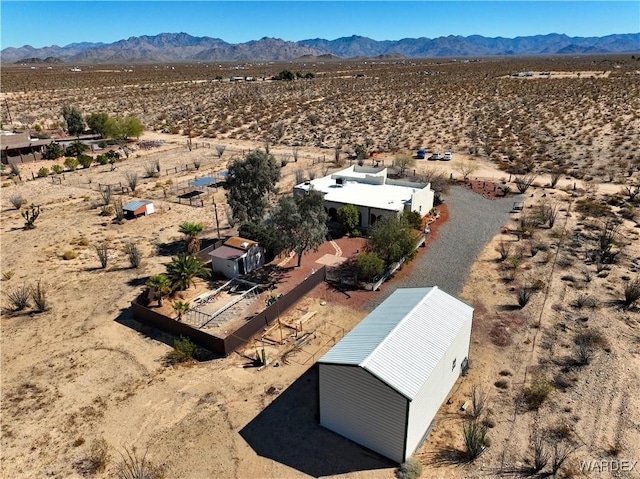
<point>447,156</point>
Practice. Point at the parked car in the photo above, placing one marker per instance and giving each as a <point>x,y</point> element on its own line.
<point>435,156</point>
<point>447,156</point>
<point>421,154</point>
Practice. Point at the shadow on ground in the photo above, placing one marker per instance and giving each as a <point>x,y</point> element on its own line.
<point>288,432</point>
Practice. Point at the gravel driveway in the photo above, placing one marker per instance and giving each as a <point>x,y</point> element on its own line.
<point>473,221</point>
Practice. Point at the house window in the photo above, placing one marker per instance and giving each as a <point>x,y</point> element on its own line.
<point>453,366</point>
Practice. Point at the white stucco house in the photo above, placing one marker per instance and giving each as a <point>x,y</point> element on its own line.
<point>236,256</point>
<point>383,383</point>
<point>371,192</point>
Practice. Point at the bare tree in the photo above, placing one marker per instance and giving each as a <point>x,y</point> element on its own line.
<point>466,169</point>
<point>132,179</point>
<point>106,195</point>
<point>102,250</point>
<point>524,182</point>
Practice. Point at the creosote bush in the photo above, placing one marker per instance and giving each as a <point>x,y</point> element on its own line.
<point>537,392</point>
<point>631,292</point>
<point>133,253</point>
<point>183,350</point>
<point>102,250</point>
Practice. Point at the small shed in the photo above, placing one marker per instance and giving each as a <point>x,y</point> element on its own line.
<point>383,383</point>
<point>136,208</point>
<point>237,256</point>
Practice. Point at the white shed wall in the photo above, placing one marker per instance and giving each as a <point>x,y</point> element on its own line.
<point>360,407</point>
<point>227,267</point>
<point>436,388</point>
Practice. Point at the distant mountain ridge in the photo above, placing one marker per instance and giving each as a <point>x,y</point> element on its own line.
<point>184,47</point>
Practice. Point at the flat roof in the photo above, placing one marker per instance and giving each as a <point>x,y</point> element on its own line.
<point>136,204</point>
<point>226,252</point>
<point>379,196</point>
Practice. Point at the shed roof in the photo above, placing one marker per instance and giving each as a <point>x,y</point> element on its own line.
<point>240,243</point>
<point>403,339</point>
<point>136,204</point>
<point>226,252</point>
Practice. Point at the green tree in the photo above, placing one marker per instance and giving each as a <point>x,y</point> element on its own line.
<point>265,235</point>
<point>123,128</point>
<point>73,119</point>
<point>76,148</point>
<point>85,160</point>
<point>301,223</point>
<point>249,181</point>
<point>191,231</point>
<point>160,285</point>
<point>392,238</point>
<point>413,218</point>
<point>53,151</point>
<point>97,123</point>
<point>286,75</point>
<point>182,270</point>
<point>369,266</point>
<point>348,217</point>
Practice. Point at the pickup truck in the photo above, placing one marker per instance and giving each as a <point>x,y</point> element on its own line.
<point>447,156</point>
<point>435,156</point>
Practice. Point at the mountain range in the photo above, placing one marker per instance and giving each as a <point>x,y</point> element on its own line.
<point>176,47</point>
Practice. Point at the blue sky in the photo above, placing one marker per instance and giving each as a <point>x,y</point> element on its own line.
<point>46,23</point>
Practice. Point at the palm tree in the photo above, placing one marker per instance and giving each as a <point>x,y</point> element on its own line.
<point>182,270</point>
<point>180,307</point>
<point>161,285</point>
<point>191,231</point>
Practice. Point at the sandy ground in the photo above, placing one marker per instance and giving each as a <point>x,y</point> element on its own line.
<point>83,370</point>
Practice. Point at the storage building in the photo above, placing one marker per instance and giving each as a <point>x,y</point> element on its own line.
<point>383,383</point>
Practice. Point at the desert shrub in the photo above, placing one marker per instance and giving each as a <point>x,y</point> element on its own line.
<point>584,354</point>
<point>475,441</point>
<point>70,254</point>
<point>184,350</point>
<point>85,160</point>
<point>524,182</point>
<point>299,174</point>
<point>220,150</point>
<point>501,384</point>
<point>132,179</point>
<point>106,195</point>
<point>591,207</point>
<point>369,266</point>
<point>537,392</point>
<point>478,401</point>
<point>7,275</point>
<point>98,456</point>
<point>43,172</point>
<point>410,469</point>
<point>57,169</point>
<point>585,301</point>
<point>311,173</point>
<point>16,200</point>
<point>39,296</point>
<point>30,216</point>
<point>19,297</point>
<point>524,294</point>
<point>71,163</point>
<point>133,253</point>
<point>118,209</point>
<point>539,451</point>
<point>132,466</point>
<point>631,292</point>
<point>102,250</point>
<point>503,249</point>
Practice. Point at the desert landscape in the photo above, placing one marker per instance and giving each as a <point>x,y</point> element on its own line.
<point>555,353</point>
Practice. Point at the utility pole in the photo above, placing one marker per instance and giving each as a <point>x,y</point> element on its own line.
<point>215,209</point>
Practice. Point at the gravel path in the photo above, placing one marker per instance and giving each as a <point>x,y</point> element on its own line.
<point>473,221</point>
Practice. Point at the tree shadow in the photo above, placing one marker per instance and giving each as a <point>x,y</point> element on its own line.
<point>170,249</point>
<point>287,431</point>
<point>508,307</point>
<point>448,456</point>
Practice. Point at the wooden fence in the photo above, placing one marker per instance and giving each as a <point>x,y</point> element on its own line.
<point>225,346</point>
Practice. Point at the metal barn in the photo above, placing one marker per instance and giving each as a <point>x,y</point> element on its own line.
<point>383,383</point>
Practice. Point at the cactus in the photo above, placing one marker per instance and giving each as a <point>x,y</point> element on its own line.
<point>30,216</point>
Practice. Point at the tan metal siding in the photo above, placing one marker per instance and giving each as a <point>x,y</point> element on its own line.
<point>358,406</point>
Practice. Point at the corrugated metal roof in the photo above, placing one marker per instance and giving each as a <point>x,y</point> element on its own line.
<point>402,340</point>
<point>135,204</point>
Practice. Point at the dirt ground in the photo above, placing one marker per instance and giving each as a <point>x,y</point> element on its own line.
<point>84,370</point>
